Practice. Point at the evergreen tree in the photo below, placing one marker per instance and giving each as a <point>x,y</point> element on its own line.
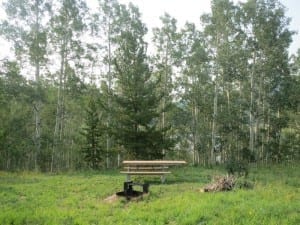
<point>93,131</point>
<point>136,97</point>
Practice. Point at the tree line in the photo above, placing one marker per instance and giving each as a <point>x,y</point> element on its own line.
<point>82,91</point>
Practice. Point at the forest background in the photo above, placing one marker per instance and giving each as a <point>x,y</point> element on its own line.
<point>82,91</point>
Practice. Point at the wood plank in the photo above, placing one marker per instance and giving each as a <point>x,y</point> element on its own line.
<point>145,167</point>
<point>153,162</point>
<point>145,172</point>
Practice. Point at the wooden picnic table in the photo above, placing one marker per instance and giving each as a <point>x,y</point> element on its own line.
<point>153,162</point>
<point>149,167</point>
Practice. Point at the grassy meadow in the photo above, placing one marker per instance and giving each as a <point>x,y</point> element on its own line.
<point>79,198</point>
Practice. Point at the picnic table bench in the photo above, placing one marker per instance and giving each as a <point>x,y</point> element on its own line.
<point>149,167</point>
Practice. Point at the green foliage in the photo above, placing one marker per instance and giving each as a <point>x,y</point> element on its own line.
<point>243,183</point>
<point>25,28</point>
<point>136,99</point>
<point>240,168</point>
<point>15,116</point>
<point>227,86</point>
<point>290,144</point>
<point>93,132</point>
<point>166,58</point>
<point>197,85</point>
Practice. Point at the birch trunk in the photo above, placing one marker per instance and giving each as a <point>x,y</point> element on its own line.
<point>57,135</point>
<point>213,130</point>
<point>109,78</point>
<point>251,116</point>
<point>37,104</point>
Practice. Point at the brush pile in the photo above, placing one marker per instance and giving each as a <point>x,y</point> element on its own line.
<point>221,183</point>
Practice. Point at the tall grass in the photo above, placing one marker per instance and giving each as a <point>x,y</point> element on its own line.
<point>33,198</point>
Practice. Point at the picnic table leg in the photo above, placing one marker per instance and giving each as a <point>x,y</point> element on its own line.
<point>163,178</point>
<point>128,178</point>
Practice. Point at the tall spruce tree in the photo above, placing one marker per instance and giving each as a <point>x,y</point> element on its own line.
<point>136,96</point>
<point>93,149</point>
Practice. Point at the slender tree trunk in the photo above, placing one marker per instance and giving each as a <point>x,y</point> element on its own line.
<point>263,134</point>
<point>165,90</point>
<point>37,104</point>
<point>240,125</point>
<point>251,109</point>
<point>108,138</point>
<point>213,130</point>
<point>57,135</point>
<point>268,133</point>
<point>37,109</point>
<point>194,114</point>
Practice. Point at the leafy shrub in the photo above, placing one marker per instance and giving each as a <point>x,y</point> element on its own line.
<point>238,168</point>
<point>243,184</point>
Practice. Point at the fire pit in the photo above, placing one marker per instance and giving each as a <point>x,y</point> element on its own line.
<point>129,193</point>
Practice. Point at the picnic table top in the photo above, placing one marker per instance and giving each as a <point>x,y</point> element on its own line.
<point>153,162</point>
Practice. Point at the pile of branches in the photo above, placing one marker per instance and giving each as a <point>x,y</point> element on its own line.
<point>221,183</point>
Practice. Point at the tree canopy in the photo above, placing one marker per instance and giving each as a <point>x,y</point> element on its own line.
<point>83,90</point>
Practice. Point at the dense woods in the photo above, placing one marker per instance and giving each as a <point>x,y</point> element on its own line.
<point>82,90</point>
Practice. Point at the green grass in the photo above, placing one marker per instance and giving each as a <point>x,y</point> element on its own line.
<point>78,198</point>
